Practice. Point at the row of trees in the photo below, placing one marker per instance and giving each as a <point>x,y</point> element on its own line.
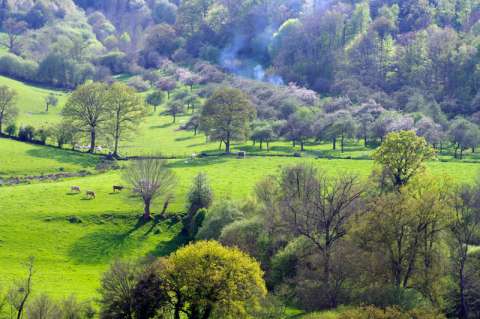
<point>114,110</point>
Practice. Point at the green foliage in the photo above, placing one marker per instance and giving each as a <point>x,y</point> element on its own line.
<point>199,200</point>
<point>209,280</point>
<point>389,313</point>
<point>222,214</point>
<point>226,115</point>
<point>402,156</point>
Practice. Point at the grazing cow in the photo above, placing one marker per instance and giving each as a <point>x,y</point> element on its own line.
<point>91,194</point>
<point>75,189</point>
<point>118,188</point>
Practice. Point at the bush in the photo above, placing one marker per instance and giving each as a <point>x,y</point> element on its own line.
<point>26,133</point>
<point>246,234</point>
<point>222,214</point>
<point>138,84</point>
<point>389,313</point>
<point>18,68</point>
<point>42,135</point>
<point>199,198</point>
<point>11,129</point>
<point>115,61</point>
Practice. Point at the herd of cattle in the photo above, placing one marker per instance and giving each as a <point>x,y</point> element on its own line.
<point>91,194</point>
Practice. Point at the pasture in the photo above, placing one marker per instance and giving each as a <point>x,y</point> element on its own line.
<point>74,239</point>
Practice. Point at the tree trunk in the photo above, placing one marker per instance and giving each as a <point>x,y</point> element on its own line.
<point>195,131</point>
<point>268,146</point>
<point>342,143</point>
<point>334,143</point>
<point>463,313</point>
<point>302,146</point>
<point>174,118</point>
<point>261,144</point>
<point>46,107</point>
<point>92,140</point>
<point>117,135</point>
<point>208,312</point>
<point>1,124</point>
<point>146,212</point>
<point>227,146</point>
<point>365,140</point>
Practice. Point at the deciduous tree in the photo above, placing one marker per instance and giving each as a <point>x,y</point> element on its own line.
<point>88,108</point>
<point>226,115</point>
<point>403,155</point>
<point>8,108</point>
<point>150,178</point>
<point>127,110</point>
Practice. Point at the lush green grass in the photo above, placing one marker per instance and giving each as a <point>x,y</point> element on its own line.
<point>19,159</point>
<point>31,103</point>
<point>71,257</point>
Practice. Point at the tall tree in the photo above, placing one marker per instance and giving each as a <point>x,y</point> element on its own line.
<point>50,100</point>
<point>318,208</point>
<point>464,226</point>
<point>14,30</point>
<point>127,111</point>
<point>8,108</point>
<point>402,156</point>
<point>226,115</point>
<point>207,280</point>
<point>88,108</point>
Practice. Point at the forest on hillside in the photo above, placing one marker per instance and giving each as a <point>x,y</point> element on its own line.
<point>414,62</point>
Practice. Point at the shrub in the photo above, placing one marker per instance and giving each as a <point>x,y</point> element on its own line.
<point>138,84</point>
<point>17,67</point>
<point>389,313</point>
<point>222,214</point>
<point>11,129</point>
<point>26,133</point>
<point>42,135</point>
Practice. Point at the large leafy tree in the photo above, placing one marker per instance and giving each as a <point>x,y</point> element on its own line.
<point>127,111</point>
<point>206,280</point>
<point>226,115</point>
<point>88,109</point>
<point>402,156</point>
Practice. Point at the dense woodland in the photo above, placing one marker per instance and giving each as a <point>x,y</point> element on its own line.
<point>400,78</point>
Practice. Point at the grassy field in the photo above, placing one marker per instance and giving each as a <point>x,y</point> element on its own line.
<point>158,135</point>
<point>41,219</point>
<point>20,159</point>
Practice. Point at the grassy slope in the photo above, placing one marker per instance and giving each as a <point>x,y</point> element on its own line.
<point>71,256</point>
<point>18,159</point>
<point>31,103</point>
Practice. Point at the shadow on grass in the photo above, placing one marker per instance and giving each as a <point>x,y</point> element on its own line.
<point>153,127</point>
<point>185,138</point>
<point>101,246</point>
<point>165,248</point>
<point>61,156</point>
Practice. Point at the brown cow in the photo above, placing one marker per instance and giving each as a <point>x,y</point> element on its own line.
<point>118,188</point>
<point>75,189</point>
<point>91,194</point>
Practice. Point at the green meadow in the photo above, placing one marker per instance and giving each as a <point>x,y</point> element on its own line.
<point>74,239</point>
